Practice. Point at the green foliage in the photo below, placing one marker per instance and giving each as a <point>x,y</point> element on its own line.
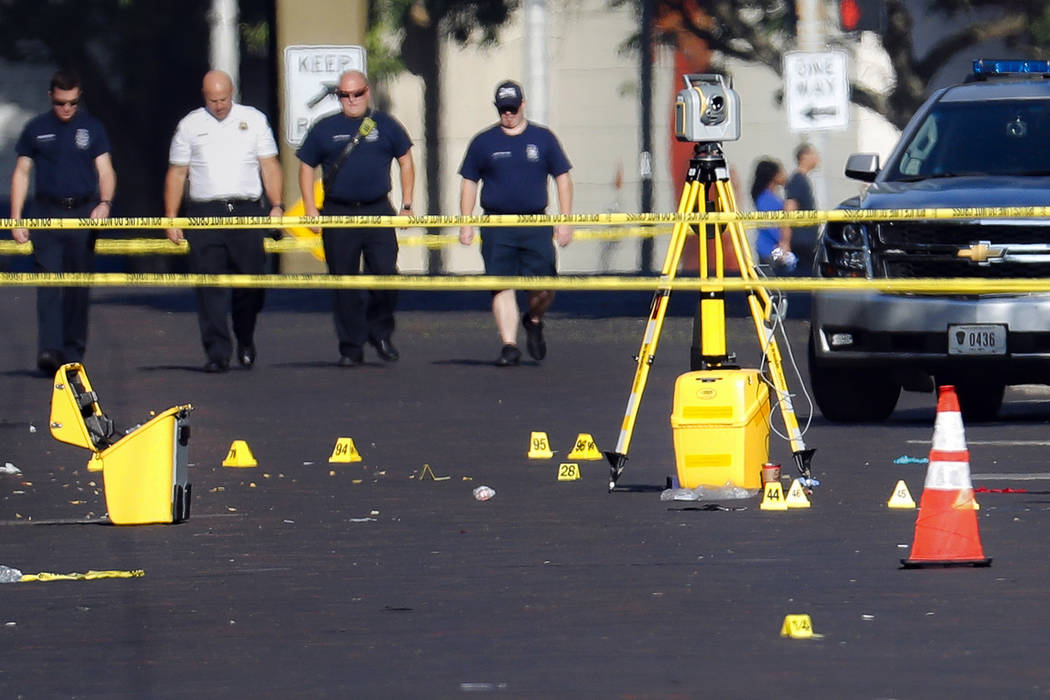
<point>760,31</point>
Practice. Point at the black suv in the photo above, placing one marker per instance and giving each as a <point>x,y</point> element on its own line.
<point>983,143</point>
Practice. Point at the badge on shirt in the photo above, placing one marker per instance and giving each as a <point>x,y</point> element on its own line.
<point>373,135</point>
<point>82,138</point>
<point>532,152</point>
<point>243,126</point>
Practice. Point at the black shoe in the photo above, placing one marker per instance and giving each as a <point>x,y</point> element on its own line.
<point>508,356</point>
<point>385,349</point>
<point>348,361</point>
<point>216,366</point>
<point>246,355</point>
<point>534,337</point>
<point>49,361</point>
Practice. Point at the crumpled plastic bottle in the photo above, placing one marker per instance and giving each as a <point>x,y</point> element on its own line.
<point>484,493</point>
<point>787,261</point>
<point>708,493</point>
<point>9,575</point>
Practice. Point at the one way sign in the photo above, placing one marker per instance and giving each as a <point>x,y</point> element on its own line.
<point>816,90</point>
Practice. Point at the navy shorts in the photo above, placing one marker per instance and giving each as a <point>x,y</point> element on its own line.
<point>513,251</point>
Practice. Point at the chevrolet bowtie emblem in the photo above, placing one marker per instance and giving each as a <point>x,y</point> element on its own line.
<point>981,252</point>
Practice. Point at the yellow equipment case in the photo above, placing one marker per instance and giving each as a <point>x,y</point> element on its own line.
<point>144,471</point>
<point>720,424</point>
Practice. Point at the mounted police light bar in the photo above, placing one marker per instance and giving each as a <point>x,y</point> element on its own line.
<point>990,67</point>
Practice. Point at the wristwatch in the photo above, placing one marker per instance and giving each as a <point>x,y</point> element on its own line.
<point>406,207</point>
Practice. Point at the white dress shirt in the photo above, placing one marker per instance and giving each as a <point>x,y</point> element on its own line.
<point>223,156</point>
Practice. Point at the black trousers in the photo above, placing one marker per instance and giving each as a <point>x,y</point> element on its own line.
<point>62,312</point>
<point>226,251</point>
<point>361,315</point>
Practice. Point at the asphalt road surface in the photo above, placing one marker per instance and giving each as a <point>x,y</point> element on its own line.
<point>304,578</point>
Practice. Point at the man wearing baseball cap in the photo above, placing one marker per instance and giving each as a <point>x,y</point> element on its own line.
<point>512,161</point>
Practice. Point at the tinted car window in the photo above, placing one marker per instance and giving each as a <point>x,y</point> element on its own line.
<point>978,138</point>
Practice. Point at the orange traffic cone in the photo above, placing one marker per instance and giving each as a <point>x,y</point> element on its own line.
<point>946,527</point>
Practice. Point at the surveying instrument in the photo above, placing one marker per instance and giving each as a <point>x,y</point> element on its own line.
<point>707,112</point>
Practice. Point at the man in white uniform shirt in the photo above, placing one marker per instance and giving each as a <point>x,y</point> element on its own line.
<point>228,154</point>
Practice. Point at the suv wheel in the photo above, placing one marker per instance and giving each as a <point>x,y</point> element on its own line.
<point>980,401</point>
<point>852,395</point>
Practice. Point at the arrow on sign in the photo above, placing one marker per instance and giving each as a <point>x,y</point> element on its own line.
<point>814,112</point>
<point>326,90</point>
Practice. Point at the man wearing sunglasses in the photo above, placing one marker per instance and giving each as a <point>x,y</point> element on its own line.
<point>512,160</point>
<point>74,179</point>
<point>227,152</point>
<point>354,149</point>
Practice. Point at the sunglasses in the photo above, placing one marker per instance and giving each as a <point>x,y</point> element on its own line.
<point>66,103</point>
<point>344,94</point>
<point>508,110</point>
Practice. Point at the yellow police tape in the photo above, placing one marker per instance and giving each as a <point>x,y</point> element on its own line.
<point>162,246</point>
<point>790,218</point>
<point>89,576</point>
<point>464,283</point>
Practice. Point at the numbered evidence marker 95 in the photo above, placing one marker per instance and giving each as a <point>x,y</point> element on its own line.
<point>539,446</point>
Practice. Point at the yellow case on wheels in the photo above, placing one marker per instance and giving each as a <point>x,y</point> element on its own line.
<point>720,423</point>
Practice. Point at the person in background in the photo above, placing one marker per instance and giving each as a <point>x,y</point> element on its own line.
<point>355,148</point>
<point>228,153</point>
<point>772,243</point>
<point>798,196</point>
<point>74,180</point>
<point>512,160</point>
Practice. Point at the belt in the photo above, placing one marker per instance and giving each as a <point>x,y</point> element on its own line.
<point>66,202</point>
<point>353,203</point>
<point>230,204</point>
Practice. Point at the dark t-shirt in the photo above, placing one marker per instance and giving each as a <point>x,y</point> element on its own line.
<point>513,170</point>
<point>64,153</point>
<point>365,174</point>
<point>799,189</point>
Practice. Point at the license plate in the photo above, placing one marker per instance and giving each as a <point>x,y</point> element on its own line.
<point>978,339</point>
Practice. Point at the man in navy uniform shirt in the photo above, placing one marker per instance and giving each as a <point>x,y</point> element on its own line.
<point>512,160</point>
<point>74,179</point>
<point>355,156</point>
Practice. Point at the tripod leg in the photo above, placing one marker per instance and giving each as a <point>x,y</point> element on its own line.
<point>761,307</point>
<point>651,337</point>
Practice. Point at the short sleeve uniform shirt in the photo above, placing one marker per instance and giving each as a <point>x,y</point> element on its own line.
<point>223,156</point>
<point>513,170</point>
<point>64,153</point>
<point>364,175</point>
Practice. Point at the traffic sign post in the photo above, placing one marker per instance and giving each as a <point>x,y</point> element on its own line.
<point>816,90</point>
<point>311,75</point>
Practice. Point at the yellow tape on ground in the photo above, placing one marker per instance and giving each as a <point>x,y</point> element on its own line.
<point>788,218</point>
<point>89,576</point>
<point>567,283</point>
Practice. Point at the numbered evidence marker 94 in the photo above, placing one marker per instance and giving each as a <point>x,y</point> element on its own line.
<point>568,471</point>
<point>344,451</point>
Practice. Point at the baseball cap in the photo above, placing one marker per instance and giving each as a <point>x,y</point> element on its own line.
<point>508,95</point>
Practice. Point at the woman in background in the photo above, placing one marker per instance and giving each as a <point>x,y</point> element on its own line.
<point>773,243</point>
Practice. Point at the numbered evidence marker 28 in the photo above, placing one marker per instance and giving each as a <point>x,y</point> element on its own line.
<point>568,471</point>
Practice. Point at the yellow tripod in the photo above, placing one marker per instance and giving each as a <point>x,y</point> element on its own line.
<point>709,174</point>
